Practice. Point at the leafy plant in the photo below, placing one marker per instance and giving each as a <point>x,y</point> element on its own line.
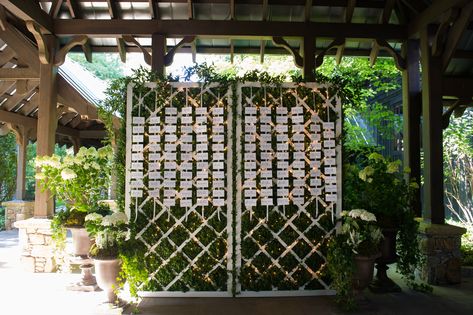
<point>359,235</point>
<point>108,231</point>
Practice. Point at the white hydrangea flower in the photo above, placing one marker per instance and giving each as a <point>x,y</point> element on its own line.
<point>119,217</point>
<point>93,217</point>
<point>393,167</point>
<point>95,165</point>
<point>107,220</point>
<point>355,213</point>
<point>40,176</point>
<point>368,216</point>
<point>376,156</point>
<point>68,174</point>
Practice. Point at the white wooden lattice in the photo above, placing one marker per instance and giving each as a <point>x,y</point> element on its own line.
<point>289,156</point>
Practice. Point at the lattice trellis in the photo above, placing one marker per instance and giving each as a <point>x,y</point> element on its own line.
<point>181,140</point>
<point>179,185</point>
<point>281,234</point>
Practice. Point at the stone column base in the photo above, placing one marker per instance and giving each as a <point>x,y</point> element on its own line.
<point>16,210</point>
<point>440,243</point>
<point>37,248</point>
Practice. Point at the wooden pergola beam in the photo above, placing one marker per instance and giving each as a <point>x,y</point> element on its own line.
<point>112,9</point>
<point>235,29</point>
<point>30,11</point>
<point>17,74</point>
<point>455,34</point>
<point>431,15</point>
<point>458,87</point>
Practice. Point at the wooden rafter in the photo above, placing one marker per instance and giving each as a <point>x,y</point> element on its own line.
<point>232,9</point>
<point>17,74</point>
<point>264,17</point>
<point>74,9</point>
<point>112,9</point>
<point>456,33</point>
<point>6,55</point>
<point>431,15</point>
<point>349,10</point>
<point>153,9</point>
<point>190,10</point>
<point>30,11</point>
<point>446,20</point>
<point>30,105</point>
<point>307,10</point>
<point>243,29</point>
<point>55,8</point>
<point>17,98</point>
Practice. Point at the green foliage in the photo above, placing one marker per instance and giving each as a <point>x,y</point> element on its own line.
<point>467,253</point>
<point>458,168</point>
<point>7,167</point>
<point>108,229</point>
<point>80,180</point>
<point>340,267</point>
<point>103,66</point>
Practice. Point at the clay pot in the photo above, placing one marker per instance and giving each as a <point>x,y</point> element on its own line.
<point>106,273</point>
<point>81,241</point>
<point>363,273</point>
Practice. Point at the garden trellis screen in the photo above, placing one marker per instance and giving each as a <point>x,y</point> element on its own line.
<point>233,188</point>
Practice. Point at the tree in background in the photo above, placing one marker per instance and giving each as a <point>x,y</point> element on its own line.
<point>458,168</point>
<point>7,167</point>
<point>104,66</point>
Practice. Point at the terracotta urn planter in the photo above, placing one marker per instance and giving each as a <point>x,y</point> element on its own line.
<point>106,273</point>
<point>81,242</point>
<point>363,273</point>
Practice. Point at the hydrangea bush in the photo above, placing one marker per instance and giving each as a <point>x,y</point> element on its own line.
<point>80,181</point>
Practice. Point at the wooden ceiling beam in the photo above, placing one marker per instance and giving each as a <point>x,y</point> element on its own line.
<point>308,10</point>
<point>153,9</point>
<point>459,87</point>
<point>235,29</point>
<point>431,15</point>
<point>30,11</point>
<point>377,4</point>
<point>30,106</point>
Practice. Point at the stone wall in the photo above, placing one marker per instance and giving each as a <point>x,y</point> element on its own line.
<point>441,246</point>
<point>37,248</point>
<point>17,210</point>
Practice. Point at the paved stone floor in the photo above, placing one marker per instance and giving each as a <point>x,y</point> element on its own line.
<point>26,293</point>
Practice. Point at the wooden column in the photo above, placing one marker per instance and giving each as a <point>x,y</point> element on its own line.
<point>433,206</point>
<point>47,123</point>
<point>412,108</point>
<point>158,51</point>
<point>309,58</point>
<point>22,144</point>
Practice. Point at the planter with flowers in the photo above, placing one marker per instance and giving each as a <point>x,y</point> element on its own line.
<point>352,253</point>
<point>80,181</point>
<point>379,186</point>
<point>109,232</point>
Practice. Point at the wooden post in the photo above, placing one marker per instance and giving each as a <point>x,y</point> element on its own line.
<point>47,123</point>
<point>22,144</point>
<point>158,51</point>
<point>411,108</point>
<point>309,58</point>
<point>433,206</point>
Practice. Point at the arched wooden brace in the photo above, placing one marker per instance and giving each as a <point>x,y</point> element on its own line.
<point>132,41</point>
<point>399,61</point>
<point>45,55</point>
<point>169,57</point>
<point>338,42</point>
<point>81,40</point>
<point>281,42</point>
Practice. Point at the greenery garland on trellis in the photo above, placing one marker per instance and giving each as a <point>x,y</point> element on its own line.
<point>135,268</point>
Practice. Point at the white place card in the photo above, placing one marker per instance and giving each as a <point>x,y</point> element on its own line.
<point>136,120</point>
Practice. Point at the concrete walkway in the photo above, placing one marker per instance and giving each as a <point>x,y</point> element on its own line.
<point>38,294</point>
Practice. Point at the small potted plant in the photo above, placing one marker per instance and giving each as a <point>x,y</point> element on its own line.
<point>109,232</point>
<point>352,253</point>
<point>81,181</point>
